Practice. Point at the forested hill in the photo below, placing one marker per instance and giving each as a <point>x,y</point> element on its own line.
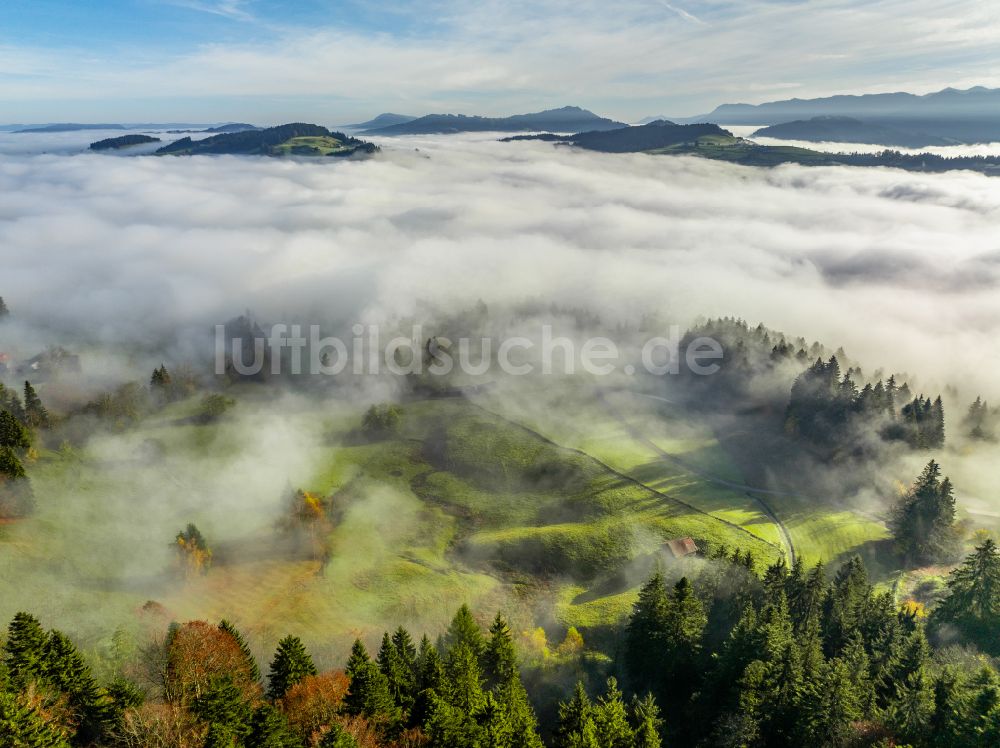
<point>713,142</point>
<point>125,141</point>
<point>564,119</point>
<point>848,130</point>
<point>659,134</point>
<point>297,139</point>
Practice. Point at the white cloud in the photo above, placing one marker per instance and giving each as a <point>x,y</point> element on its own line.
<point>903,269</point>
<point>629,59</point>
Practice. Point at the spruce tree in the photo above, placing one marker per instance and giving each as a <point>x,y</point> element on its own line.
<point>368,694</point>
<point>646,722</point>
<point>25,650</point>
<point>463,679</point>
<point>270,729</point>
<point>21,726</point>
<point>576,722</point>
<point>35,413</point>
<point>252,666</point>
<point>65,668</point>
<point>831,705</point>
<point>429,682</point>
<point>10,466</point>
<point>222,706</point>
<point>495,729</point>
<point>10,401</point>
<point>923,521</point>
<point>4,311</point>
<point>644,647</point>
<point>337,737</point>
<point>680,638</point>
<point>12,433</point>
<point>464,630</point>
<point>398,672</point>
<point>973,600</point>
<point>503,678</point>
<point>291,664</point>
<point>611,719</point>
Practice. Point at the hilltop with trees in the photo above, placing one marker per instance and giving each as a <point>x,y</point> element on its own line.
<point>297,139</point>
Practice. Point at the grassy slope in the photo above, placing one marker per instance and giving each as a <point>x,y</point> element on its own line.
<point>311,146</point>
<point>463,505</point>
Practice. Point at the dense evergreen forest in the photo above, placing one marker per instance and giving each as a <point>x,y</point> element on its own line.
<point>726,655</point>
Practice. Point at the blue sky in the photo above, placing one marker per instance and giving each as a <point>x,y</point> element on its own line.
<point>334,62</point>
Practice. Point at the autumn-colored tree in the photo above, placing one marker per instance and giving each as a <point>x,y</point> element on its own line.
<point>194,557</point>
<point>313,704</point>
<point>198,654</point>
<point>161,726</point>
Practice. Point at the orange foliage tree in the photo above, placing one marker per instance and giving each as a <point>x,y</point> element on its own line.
<point>198,653</point>
<point>313,704</point>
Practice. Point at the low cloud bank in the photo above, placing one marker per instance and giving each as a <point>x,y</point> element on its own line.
<point>902,269</point>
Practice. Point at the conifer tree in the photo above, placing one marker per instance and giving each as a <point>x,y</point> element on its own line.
<point>923,521</point>
<point>223,707</point>
<point>337,737</point>
<point>464,630</point>
<point>10,466</point>
<point>25,650</point>
<point>576,722</point>
<point>503,678</point>
<point>495,730</point>
<point>35,413</point>
<point>447,726</point>
<point>65,668</point>
<point>269,729</point>
<point>644,646</point>
<point>611,719</point>
<point>398,672</point>
<point>4,311</point>
<point>973,600</point>
<point>405,648</point>
<point>21,726</point>
<point>10,401</point>
<point>291,664</point>
<point>429,681</point>
<point>463,679</point>
<point>368,694</point>
<point>12,433</point>
<point>253,667</point>
<point>646,722</point>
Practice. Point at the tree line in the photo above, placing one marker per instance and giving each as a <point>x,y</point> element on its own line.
<point>727,656</point>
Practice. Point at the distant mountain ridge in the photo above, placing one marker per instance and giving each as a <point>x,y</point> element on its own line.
<point>68,127</point>
<point>848,130</point>
<point>968,116</point>
<point>564,119</point>
<point>386,119</point>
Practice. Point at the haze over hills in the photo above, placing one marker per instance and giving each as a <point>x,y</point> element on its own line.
<point>848,130</point>
<point>710,141</point>
<point>967,116</point>
<point>68,127</point>
<point>386,119</point>
<point>564,119</point>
